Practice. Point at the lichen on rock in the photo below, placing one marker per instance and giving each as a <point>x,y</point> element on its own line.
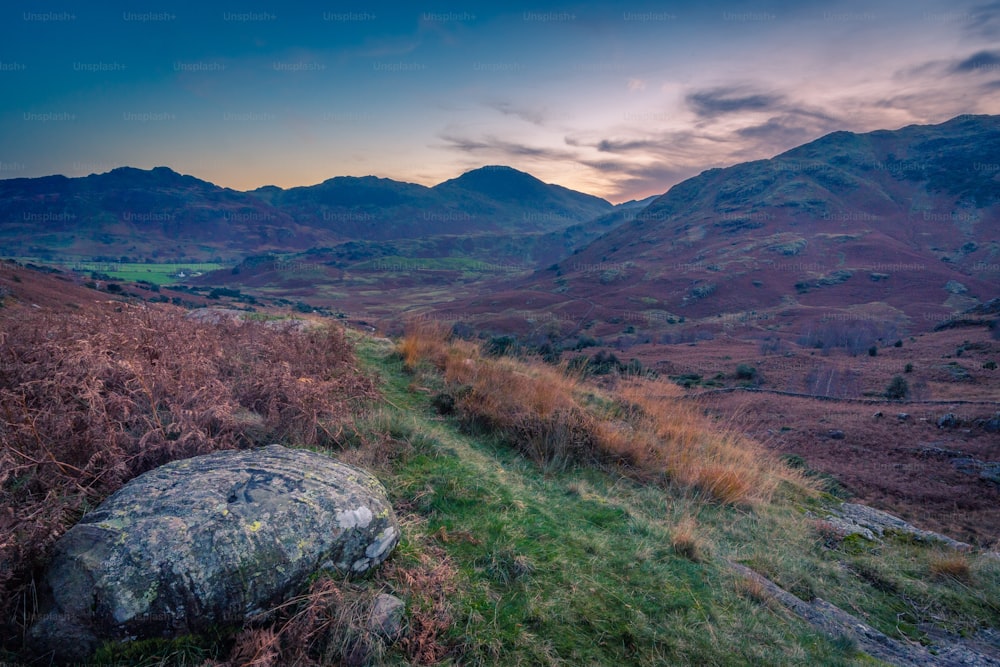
<point>207,541</point>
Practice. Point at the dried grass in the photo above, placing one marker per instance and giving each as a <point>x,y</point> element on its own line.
<point>951,565</point>
<point>92,399</point>
<point>686,540</point>
<point>555,417</point>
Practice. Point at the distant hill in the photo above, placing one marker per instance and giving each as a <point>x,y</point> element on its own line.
<point>486,200</point>
<point>160,214</point>
<point>156,214</point>
<point>905,223</point>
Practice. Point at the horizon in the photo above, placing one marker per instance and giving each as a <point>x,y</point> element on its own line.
<point>432,185</point>
<point>620,103</point>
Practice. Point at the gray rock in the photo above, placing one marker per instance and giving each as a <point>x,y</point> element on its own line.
<point>903,416</point>
<point>947,421</point>
<point>209,540</point>
<point>992,425</point>
<point>870,522</point>
<point>386,618</point>
<point>835,434</point>
<point>991,473</point>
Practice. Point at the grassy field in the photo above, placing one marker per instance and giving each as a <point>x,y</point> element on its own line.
<point>159,274</point>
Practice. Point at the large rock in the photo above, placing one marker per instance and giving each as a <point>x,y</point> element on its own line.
<point>209,540</point>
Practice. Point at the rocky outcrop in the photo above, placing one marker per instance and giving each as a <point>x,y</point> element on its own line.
<point>873,524</point>
<point>981,650</point>
<point>209,540</point>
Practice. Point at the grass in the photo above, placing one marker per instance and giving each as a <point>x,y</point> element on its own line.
<point>554,417</point>
<point>518,549</point>
<point>159,274</point>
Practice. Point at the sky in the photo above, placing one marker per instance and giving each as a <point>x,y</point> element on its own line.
<point>621,100</point>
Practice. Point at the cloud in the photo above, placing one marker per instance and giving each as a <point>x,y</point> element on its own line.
<point>626,145</point>
<point>983,61</point>
<point>984,21</point>
<point>501,147</point>
<point>533,116</point>
<point>726,100</point>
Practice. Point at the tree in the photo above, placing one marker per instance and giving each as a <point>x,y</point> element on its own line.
<point>898,389</point>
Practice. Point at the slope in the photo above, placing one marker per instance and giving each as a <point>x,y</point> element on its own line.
<point>904,222</point>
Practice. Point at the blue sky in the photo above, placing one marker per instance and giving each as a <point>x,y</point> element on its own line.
<point>621,100</point>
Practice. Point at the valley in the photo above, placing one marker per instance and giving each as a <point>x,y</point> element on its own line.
<point>834,310</point>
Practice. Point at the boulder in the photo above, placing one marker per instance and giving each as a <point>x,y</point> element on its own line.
<point>948,421</point>
<point>208,541</point>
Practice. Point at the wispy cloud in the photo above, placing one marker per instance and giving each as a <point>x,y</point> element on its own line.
<point>727,100</point>
<point>533,116</point>
<point>983,61</point>
<point>984,21</point>
<point>497,147</point>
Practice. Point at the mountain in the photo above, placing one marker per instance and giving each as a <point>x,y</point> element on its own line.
<point>160,214</point>
<point>900,225</point>
<point>486,200</point>
<point>526,202</point>
<point>140,214</point>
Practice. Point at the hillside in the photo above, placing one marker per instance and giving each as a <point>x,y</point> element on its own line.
<point>159,215</point>
<point>900,223</point>
<point>547,519</point>
<point>156,215</point>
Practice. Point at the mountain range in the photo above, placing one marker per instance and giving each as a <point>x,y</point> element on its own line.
<point>899,225</point>
<point>161,214</point>
<point>889,225</point>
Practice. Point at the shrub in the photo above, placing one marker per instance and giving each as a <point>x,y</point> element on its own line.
<point>908,368</point>
<point>873,351</point>
<point>424,340</point>
<point>499,346</point>
<point>898,389</point>
<point>746,372</point>
<point>91,399</point>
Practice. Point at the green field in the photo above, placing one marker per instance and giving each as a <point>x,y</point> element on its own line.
<point>159,274</point>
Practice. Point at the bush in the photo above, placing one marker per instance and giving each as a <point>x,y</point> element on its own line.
<point>90,400</point>
<point>873,351</point>
<point>500,346</point>
<point>908,368</point>
<point>746,372</point>
<point>898,389</point>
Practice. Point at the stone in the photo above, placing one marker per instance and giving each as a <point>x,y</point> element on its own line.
<point>992,425</point>
<point>209,540</point>
<point>835,434</point>
<point>386,618</point>
<point>947,421</point>
<point>870,523</point>
<point>903,416</point>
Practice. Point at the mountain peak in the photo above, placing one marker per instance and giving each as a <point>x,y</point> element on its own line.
<point>500,183</point>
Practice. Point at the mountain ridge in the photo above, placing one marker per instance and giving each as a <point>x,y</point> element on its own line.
<point>183,216</point>
<point>906,219</point>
